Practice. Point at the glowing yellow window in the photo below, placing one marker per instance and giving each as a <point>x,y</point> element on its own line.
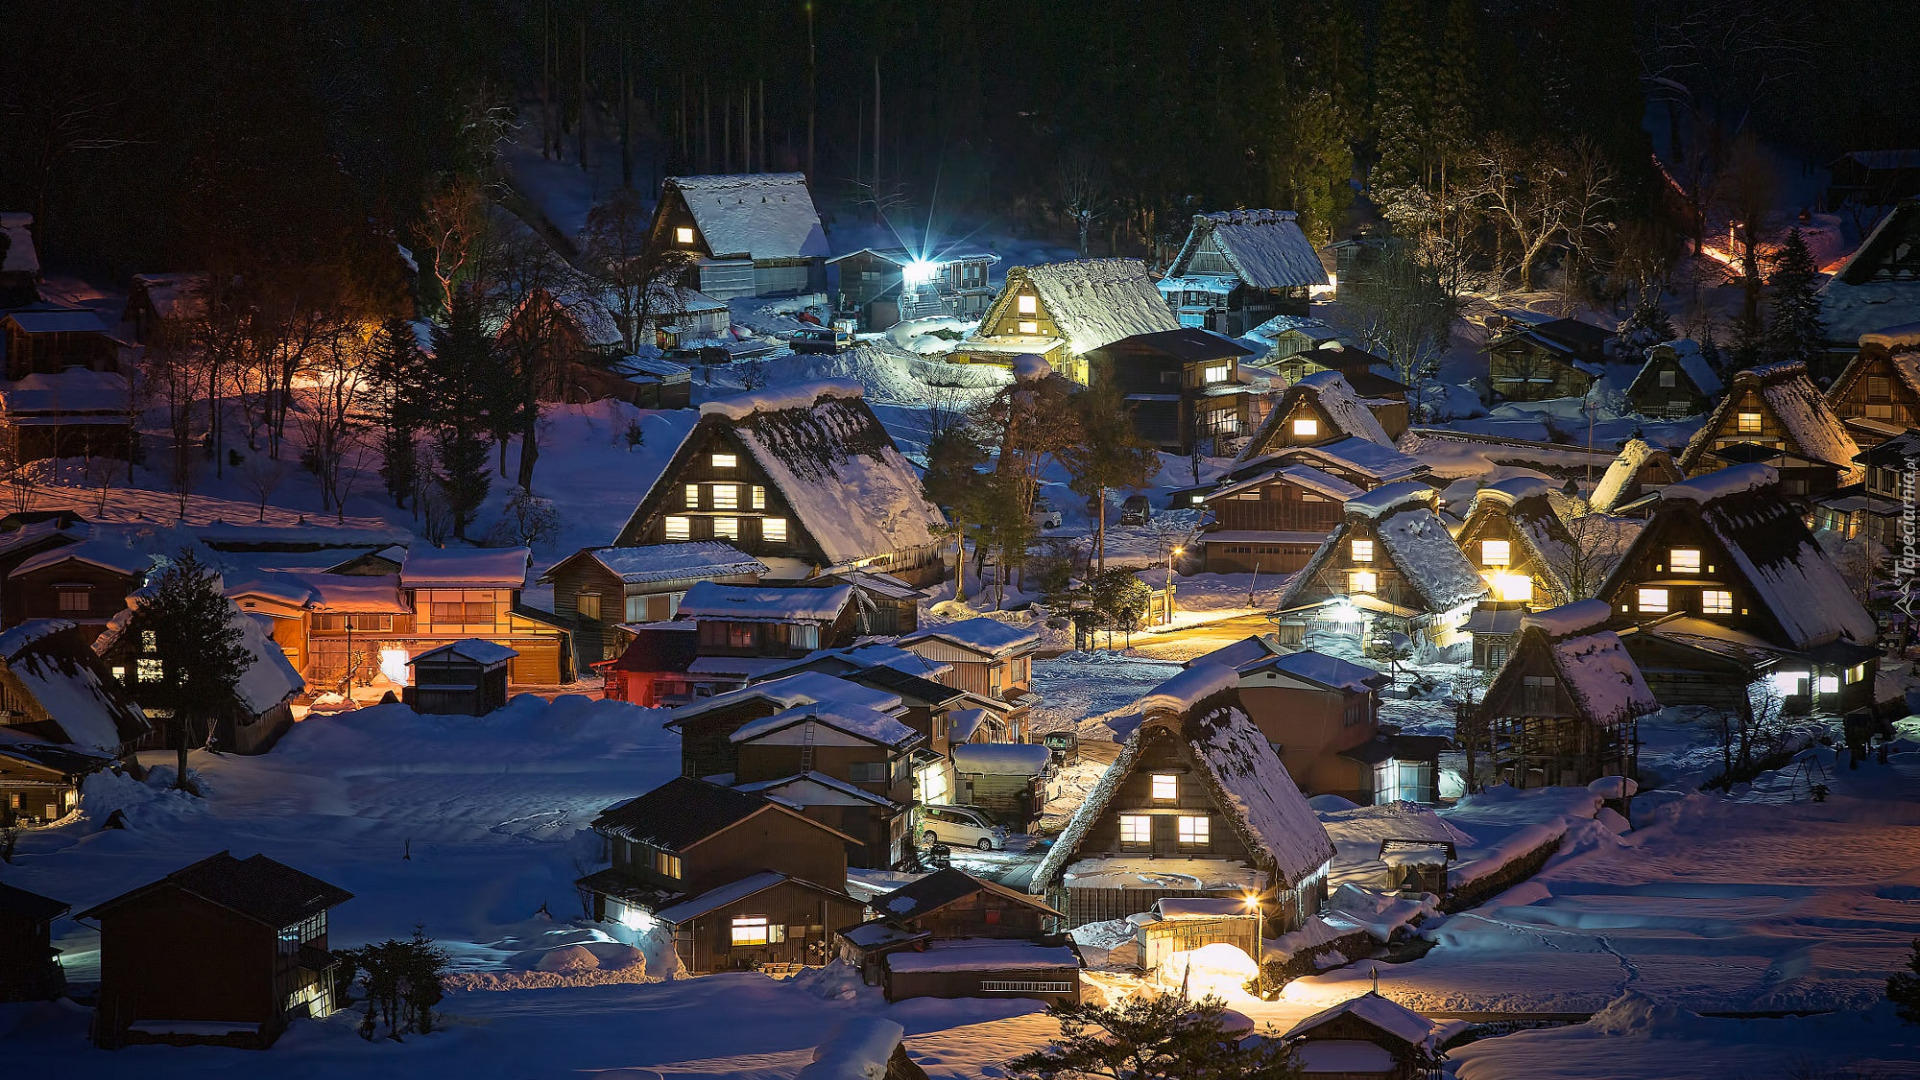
<point>1166,786</point>
<point>1193,830</point>
<point>1716,602</point>
<point>750,930</point>
<point>1363,551</point>
<point>693,496</point>
<point>726,496</point>
<point>1029,304</point>
<point>1653,601</point>
<point>1306,427</point>
<point>759,497</point>
<point>1028,326</point>
<point>726,528</point>
<point>1496,552</point>
<point>1747,423</point>
<point>679,528</point>
<point>773,530</point>
<point>1136,829</point>
<point>1684,560</point>
<point>1362,581</point>
<point>725,461</point>
<point>683,235</point>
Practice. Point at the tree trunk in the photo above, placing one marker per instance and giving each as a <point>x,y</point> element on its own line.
<point>180,777</point>
<point>1100,534</point>
<point>529,448</point>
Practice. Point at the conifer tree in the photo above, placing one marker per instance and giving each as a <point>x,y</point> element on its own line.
<point>953,482</point>
<point>1795,330</point>
<point>1456,89</point>
<point>1903,989</point>
<point>399,372</point>
<point>464,370</point>
<point>188,652</point>
<point>1110,454</point>
<point>1403,95</point>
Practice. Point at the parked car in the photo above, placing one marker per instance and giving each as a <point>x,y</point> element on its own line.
<point>1045,515</point>
<point>1135,511</point>
<point>820,339</point>
<point>961,826</point>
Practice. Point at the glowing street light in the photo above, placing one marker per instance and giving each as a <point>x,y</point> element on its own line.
<point>1171,555</point>
<point>919,272</point>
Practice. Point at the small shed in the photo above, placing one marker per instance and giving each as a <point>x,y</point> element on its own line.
<point>1417,864</point>
<point>466,678</point>
<point>985,967</point>
<point>29,964</point>
<point>1007,779</point>
<point>1184,923</point>
<point>1367,1037</point>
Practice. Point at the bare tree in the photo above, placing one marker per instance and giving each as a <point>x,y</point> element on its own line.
<point>1081,194</point>
<point>1522,188</point>
<point>1749,194</point>
<point>1588,194</point>
<point>451,224</point>
<point>329,420</point>
<point>1404,312</point>
<point>263,476</point>
<point>645,278</point>
<point>1594,546</point>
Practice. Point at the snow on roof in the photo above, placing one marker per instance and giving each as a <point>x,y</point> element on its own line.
<point>837,467</point>
<point>115,554</point>
<point>715,899</point>
<point>1569,618</point>
<point>1420,546</point>
<point>477,650</point>
<point>1001,759</point>
<point>1030,368</point>
<point>856,720</point>
<point>1686,352</point>
<point>859,1049</point>
<point>1733,480</point>
<point>1601,677</point>
<point>1323,669</point>
<point>362,593</point>
<point>1903,336</point>
<point>1315,480</point>
<point>1316,330</point>
<point>470,568</point>
<point>20,255</point>
<point>174,296</point>
<point>1248,650</point>
<point>1265,247</point>
<point>781,789</point>
<point>1384,464</point>
<point>658,368</point>
<point>58,394</point>
<point>271,678</point>
<point>788,691</point>
<point>1185,691</point>
<point>983,954</point>
<point>747,603</point>
<point>962,723</point>
<point>1388,498</point>
<point>1096,301</point>
<point>1811,426</point>
<point>1387,1015</point>
<point>58,320</point>
<point>758,215</point>
<point>1334,396</point>
<point>676,562</point>
<point>981,634</point>
<point>1621,475</point>
<point>66,684</point>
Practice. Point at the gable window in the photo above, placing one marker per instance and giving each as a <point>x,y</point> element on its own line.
<point>1028,304</point>
<point>693,496</point>
<point>1193,831</point>
<point>726,528</point>
<point>683,234</point>
<point>1684,560</point>
<point>725,461</point>
<point>1716,602</point>
<point>759,497</point>
<point>75,600</point>
<point>726,496</point>
<point>587,604</point>
<point>867,772</point>
<point>1306,427</point>
<point>1880,411</point>
<point>679,528</point>
<point>773,530</point>
<point>1496,552</point>
<point>1215,374</point>
<point>1747,423</point>
<point>1539,694</point>
<point>1363,551</point>
<point>1362,581</point>
<point>1879,387</point>
<point>1653,601</point>
<point>1136,829</point>
<point>1667,381</point>
<point>147,669</point>
<point>750,930</point>
<point>1166,786</point>
<point>1028,326</point>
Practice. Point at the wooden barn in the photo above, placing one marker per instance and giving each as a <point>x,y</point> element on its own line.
<point>1733,558</point>
<point>1008,780</point>
<point>1062,311</point>
<point>1552,359</point>
<point>165,306</point>
<point>1676,382</point>
<point>456,594</point>
<point>1182,387</point>
<point>1273,521</point>
<point>803,478</point>
<point>1320,410</point>
<point>848,766</point>
<point>1285,335</point>
<point>1197,804</point>
<point>29,964</point>
<point>745,631</point>
<point>1514,535</point>
<point>1239,268</point>
<point>1565,709</point>
<point>957,935</point>
<point>465,678</point>
<point>1875,507</point>
<point>749,234</point>
<point>884,286</point>
<point>1775,416</point>
<point>224,952</point>
<point>706,725</point>
<point>1369,1037</point>
<point>85,583</point>
<point>1384,397</point>
<point>1878,393</point>
<point>599,588</point>
<point>1637,471</point>
<point>989,657</point>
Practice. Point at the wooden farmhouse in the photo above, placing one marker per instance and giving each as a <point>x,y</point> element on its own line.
<point>746,631</point>
<point>952,935</point>
<point>1878,286</point>
<point>1369,1037</point>
<point>739,879</point>
<point>1006,779</point>
<point>85,583</point>
<point>475,593</point>
<point>63,716</point>
<point>1564,709</point>
<point>1876,506</point>
<point>1320,410</point>
<point>882,287</point>
<point>1640,469</point>
<point>1726,564</point>
<point>1285,335</point>
<point>466,678</point>
<point>1514,536</point>
<point>748,234</point>
<point>29,964</point>
<point>261,709</point>
<point>679,317</point>
<point>848,766</point>
<point>165,306</point>
<point>19,260</point>
<point>1384,397</point>
<point>225,952</point>
<point>1553,359</point>
<point>562,327</point>
<point>706,725</point>
<point>1774,416</point>
<point>1239,268</point>
<point>1062,311</point>
<point>1197,804</point>
<point>1391,564</point>
<point>652,671</point>
<point>802,478</point>
<point>989,657</point>
<point>1182,387</point>
<point>1273,521</point>
<point>600,588</point>
<point>1873,177</point>
<point>65,391</point>
<point>1878,393</point>
<point>1675,382</point>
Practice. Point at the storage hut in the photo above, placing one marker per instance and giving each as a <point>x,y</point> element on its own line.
<point>466,678</point>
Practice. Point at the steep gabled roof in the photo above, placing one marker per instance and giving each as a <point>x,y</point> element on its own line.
<point>1336,400</point>
<point>1527,504</point>
<point>174,296</point>
<point>941,888</point>
<point>1902,360</point>
<point>1250,787</point>
<point>89,707</point>
<point>1684,352</point>
<point>753,215</point>
<point>1092,301</point>
<point>1413,540</point>
<point>1603,682</point>
<point>1266,248</point>
<point>1768,544</point>
<point>685,811</point>
<point>1619,484</point>
<point>1799,407</point>
<point>261,889</point>
<point>1315,480</point>
<point>1382,1014</point>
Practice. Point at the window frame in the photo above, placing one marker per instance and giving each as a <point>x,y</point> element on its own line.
<point>1136,829</point>
<point>1165,787</point>
<point>1689,565</point>
<point>1488,549</point>
<point>1360,551</point>
<point>677,527</point>
<point>1661,606</point>
<point>1194,830</point>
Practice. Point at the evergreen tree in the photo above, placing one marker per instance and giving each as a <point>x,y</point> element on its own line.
<point>1110,454</point>
<point>953,482</point>
<point>188,652</point>
<point>464,370</point>
<point>1647,326</point>
<point>1160,1038</point>
<point>399,374</point>
<point>1456,90</point>
<point>1795,330</point>
<point>1904,989</point>
<point>1402,96</point>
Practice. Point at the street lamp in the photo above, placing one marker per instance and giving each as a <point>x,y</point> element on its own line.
<point>1252,901</point>
<point>1171,555</point>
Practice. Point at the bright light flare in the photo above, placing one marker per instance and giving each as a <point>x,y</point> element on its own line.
<point>919,272</point>
<point>1512,587</point>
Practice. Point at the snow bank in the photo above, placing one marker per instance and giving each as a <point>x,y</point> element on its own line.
<point>1219,969</point>
<point>774,399</point>
<point>858,1050</point>
<point>1569,618</point>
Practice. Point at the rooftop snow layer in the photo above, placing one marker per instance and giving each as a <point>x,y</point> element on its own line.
<point>776,398</point>
<point>982,634</point>
<point>477,650</point>
<point>1600,675</point>
<point>715,899</point>
<point>1620,475</point>
<point>791,690</point>
<point>1903,336</point>
<point>1337,399</point>
<point>677,562</point>
<point>748,603</point>
<point>87,712</point>
<point>1323,669</point>
<point>1001,759</point>
<point>1570,618</point>
<point>1185,691</point>
<point>983,954</point>
<point>110,553</point>
<point>1389,1016</point>
<point>1097,301</point>
<point>1733,480</point>
<point>464,568</point>
<point>1266,247</point>
<point>856,720</point>
<point>1388,498</point>
<point>1424,552</point>
<point>758,215</point>
<point>66,393</point>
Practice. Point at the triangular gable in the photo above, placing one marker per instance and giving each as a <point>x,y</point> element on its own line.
<point>1683,356</point>
<point>1091,302</point>
<point>1784,393</point>
<point>749,215</point>
<point>1874,359</point>
<point>1331,400</point>
<point>1590,665</point>
<point>1532,521</point>
<point>1265,248</point>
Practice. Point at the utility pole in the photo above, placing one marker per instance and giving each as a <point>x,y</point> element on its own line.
<point>876,138</point>
<point>810,96</point>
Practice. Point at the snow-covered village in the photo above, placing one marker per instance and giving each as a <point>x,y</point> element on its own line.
<point>796,540</point>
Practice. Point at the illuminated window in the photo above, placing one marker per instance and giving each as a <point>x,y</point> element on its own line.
<point>679,528</point>
<point>726,496</point>
<point>1028,326</point>
<point>773,530</point>
<point>1684,560</point>
<point>693,496</point>
<point>667,864</point>
<point>1029,304</point>
<point>1136,829</point>
<point>1653,601</point>
<point>1856,673</point>
<point>1747,423</point>
<point>750,930</point>
<point>740,635</point>
<point>759,497</point>
<point>725,461</point>
<point>1667,381</point>
<point>683,235</point>
<point>149,642</point>
<point>1166,786</point>
<point>1193,830</point>
<point>1496,552</point>
<point>587,605</point>
<point>1362,581</point>
<point>1217,374</point>
<point>147,670</point>
<point>726,528</point>
<point>1306,427</point>
<point>1716,602</point>
<point>1829,684</point>
<point>75,600</point>
<point>1363,551</point>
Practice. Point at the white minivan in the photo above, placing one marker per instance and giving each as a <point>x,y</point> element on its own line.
<point>961,826</point>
